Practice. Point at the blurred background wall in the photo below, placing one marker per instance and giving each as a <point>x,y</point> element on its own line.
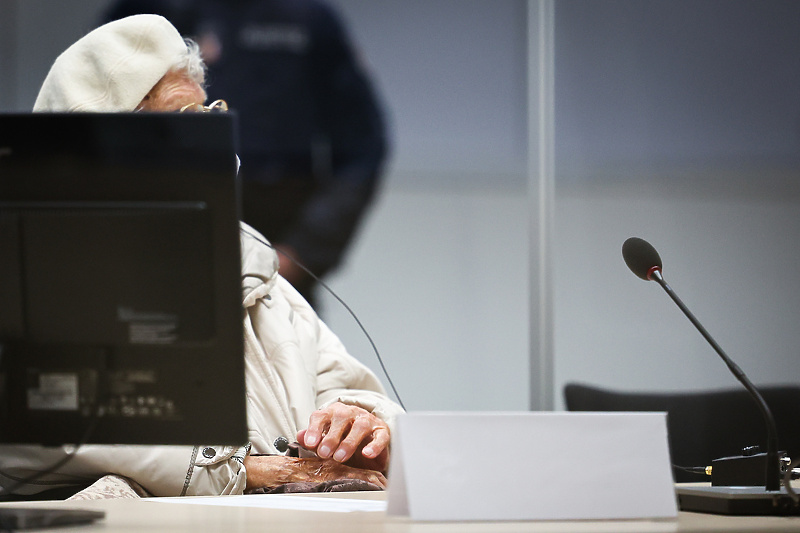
<point>678,122</point>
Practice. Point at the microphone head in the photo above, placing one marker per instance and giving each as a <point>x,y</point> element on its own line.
<point>641,257</point>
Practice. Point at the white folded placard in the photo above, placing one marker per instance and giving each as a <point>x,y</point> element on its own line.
<point>531,466</point>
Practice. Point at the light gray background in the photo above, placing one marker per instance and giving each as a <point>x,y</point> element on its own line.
<point>674,121</point>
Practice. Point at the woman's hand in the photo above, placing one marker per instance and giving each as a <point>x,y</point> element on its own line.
<point>349,435</point>
<point>270,471</point>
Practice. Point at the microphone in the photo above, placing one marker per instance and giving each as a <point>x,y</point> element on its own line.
<point>644,261</point>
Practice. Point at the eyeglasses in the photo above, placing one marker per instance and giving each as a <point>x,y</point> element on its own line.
<point>217,106</point>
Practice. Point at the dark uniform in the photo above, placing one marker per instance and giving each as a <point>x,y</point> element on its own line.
<point>312,133</point>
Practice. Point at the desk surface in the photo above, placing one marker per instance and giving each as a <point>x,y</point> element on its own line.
<point>129,515</point>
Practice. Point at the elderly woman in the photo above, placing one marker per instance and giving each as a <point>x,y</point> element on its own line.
<point>338,412</point>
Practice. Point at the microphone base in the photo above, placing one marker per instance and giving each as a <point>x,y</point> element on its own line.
<point>742,471</point>
<point>738,501</point>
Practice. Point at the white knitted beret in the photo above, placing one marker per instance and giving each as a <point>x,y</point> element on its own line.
<point>112,68</point>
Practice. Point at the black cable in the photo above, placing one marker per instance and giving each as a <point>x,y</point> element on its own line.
<point>692,469</point>
<point>349,310</point>
<point>5,524</point>
<point>55,466</point>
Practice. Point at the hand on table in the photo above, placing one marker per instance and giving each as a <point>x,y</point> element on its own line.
<point>349,435</point>
<point>270,471</point>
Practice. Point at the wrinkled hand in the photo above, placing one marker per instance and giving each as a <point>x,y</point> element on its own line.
<point>270,471</point>
<point>349,435</point>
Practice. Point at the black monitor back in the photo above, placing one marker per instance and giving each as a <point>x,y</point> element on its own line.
<point>120,291</point>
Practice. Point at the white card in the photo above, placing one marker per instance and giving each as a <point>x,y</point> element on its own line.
<point>531,466</point>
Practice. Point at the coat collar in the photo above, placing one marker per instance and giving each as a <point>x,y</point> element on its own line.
<point>259,265</point>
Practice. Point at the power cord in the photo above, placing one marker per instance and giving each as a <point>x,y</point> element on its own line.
<point>347,307</point>
<point>8,490</point>
<point>701,470</point>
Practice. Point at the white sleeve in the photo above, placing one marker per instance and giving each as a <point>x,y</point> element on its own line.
<point>161,470</point>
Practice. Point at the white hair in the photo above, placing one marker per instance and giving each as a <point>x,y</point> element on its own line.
<point>192,63</point>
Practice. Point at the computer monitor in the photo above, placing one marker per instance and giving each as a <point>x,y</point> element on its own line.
<point>120,280</point>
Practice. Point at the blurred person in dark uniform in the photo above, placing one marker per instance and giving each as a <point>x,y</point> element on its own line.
<point>313,138</point>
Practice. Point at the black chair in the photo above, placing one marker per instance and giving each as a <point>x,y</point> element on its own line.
<point>704,425</point>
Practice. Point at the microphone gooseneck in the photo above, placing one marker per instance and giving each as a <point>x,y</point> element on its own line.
<point>644,261</point>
